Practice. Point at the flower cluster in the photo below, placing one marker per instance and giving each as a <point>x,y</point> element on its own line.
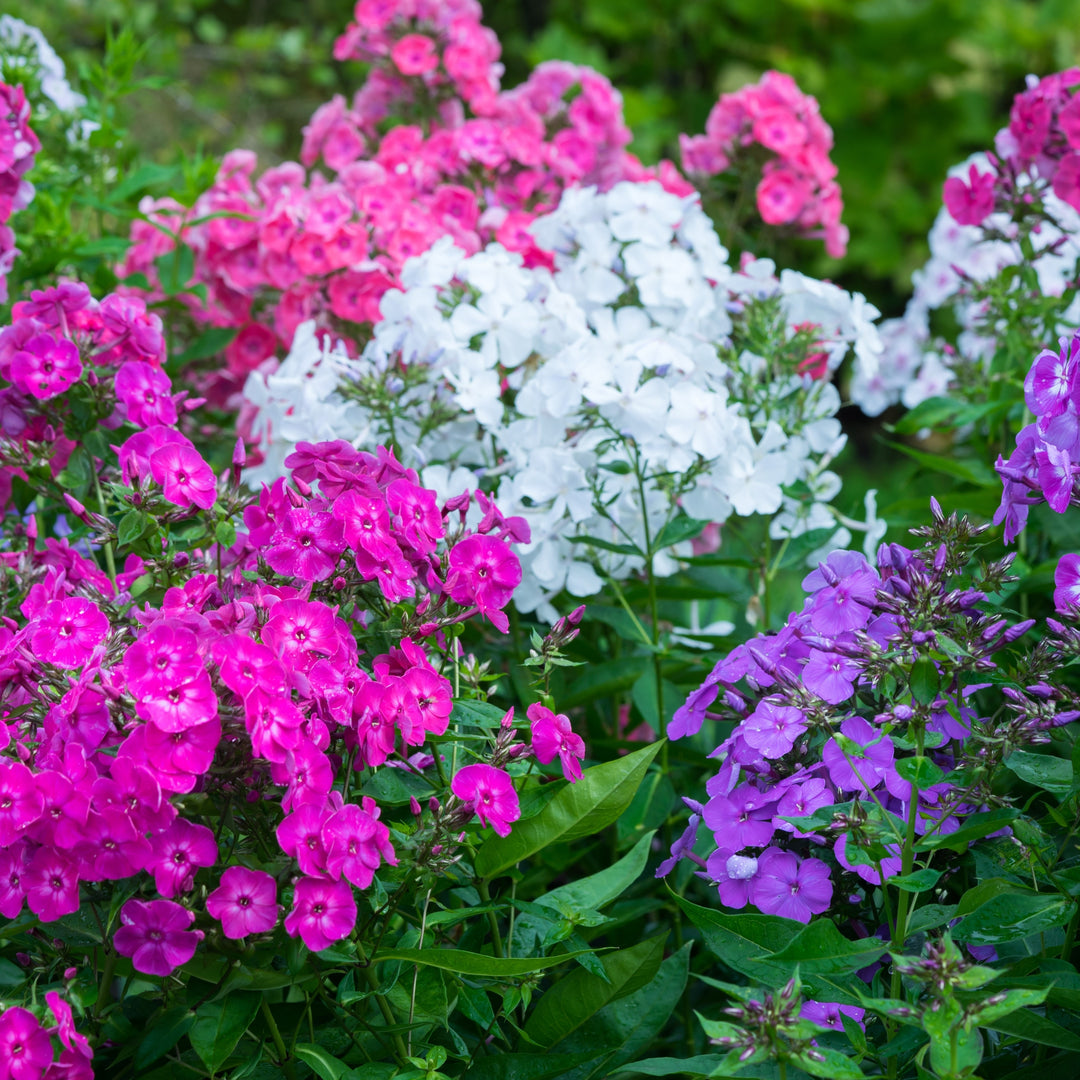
<point>640,379</point>
<point>27,1049</point>
<point>18,145</point>
<point>18,37</point>
<point>775,130</point>
<point>858,739</point>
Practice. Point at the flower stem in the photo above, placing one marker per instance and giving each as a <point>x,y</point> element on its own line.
<point>284,1062</point>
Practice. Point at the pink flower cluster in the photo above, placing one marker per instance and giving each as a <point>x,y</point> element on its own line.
<point>18,145</point>
<point>478,165</point>
<point>27,1050</point>
<point>774,126</point>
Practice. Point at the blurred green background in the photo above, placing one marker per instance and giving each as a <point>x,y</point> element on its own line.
<point>909,86</point>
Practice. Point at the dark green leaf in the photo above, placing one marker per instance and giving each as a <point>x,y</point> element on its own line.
<point>917,881</point>
<point>209,343</point>
<point>321,1062</point>
<point>974,828</point>
<point>471,963</point>
<point>830,1064</point>
<point>578,810</point>
<point>925,681</point>
<point>225,534</point>
<point>1028,1025</point>
<point>674,532</point>
<point>699,1065</point>
<point>220,1025</point>
<point>820,949</point>
<point>165,1031</point>
<point>1013,915</point>
<point>607,545</point>
<point>1052,774</point>
<point>592,893</point>
<point>131,527</point>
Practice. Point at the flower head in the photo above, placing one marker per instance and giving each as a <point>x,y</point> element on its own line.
<point>245,902</point>
<point>155,934</point>
<point>491,793</point>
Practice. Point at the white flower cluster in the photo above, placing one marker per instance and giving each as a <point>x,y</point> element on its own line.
<point>914,366</point>
<point>640,379</point>
<point>20,38</point>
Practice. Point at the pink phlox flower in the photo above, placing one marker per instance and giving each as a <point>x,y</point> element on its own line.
<point>25,1047</point>
<point>136,451</point>
<point>491,793</point>
<point>145,392</point>
<point>179,757</point>
<point>391,569</point>
<point>178,853</point>
<point>274,725</point>
<point>307,544</point>
<point>323,912</point>
<point>13,863</point>
<point>65,1026</point>
<point>184,475</point>
<point>416,514</point>
<point>772,729</point>
<point>414,54</point>
<point>781,195</point>
<point>356,842</point>
<point>155,934</point>
<point>246,664</point>
<point>68,631</point>
<point>790,887</point>
<point>308,774</point>
<point>126,317</point>
<point>337,688</point>
<point>553,736</point>
<point>133,788</point>
<point>51,882</point>
<point>63,803</point>
<point>300,632</point>
<point>46,366</point>
<point>483,572</point>
<point>300,836</point>
<point>58,304</point>
<point>261,519</point>
<point>111,847</point>
<point>245,902</point>
<point>21,802</point>
<point>375,734</point>
<point>971,202</point>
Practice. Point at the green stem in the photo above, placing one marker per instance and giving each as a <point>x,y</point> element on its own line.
<point>284,1062</point>
<point>496,937</point>
<point>105,987</point>
<point>382,1003</point>
<point>110,562</point>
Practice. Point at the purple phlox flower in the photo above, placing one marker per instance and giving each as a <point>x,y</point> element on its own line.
<point>843,589</point>
<point>1051,378</point>
<point>1067,585</point>
<point>772,729</point>
<point>890,865</point>
<point>690,715</point>
<point>307,544</point>
<point>1062,430</point>
<point>794,889</point>
<point>726,779</point>
<point>1055,477</point>
<point>741,819</point>
<point>830,676</point>
<point>178,852</point>
<point>801,800</point>
<point>155,934</point>
<point>859,757</point>
<point>323,912</point>
<point>827,1014</point>
<point>682,847</point>
<point>25,1047</point>
<point>245,902</point>
<point>733,874</point>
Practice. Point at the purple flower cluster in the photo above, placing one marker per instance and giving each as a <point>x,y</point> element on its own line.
<point>18,145</point>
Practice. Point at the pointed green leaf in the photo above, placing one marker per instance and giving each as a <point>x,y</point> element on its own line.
<point>164,1032</point>
<point>578,810</point>
<point>1050,773</point>
<point>471,963</point>
<point>321,1062</point>
<point>592,893</point>
<point>830,1064</point>
<point>820,949</point>
<point>1011,916</point>
<point>219,1026</point>
<point>925,681</point>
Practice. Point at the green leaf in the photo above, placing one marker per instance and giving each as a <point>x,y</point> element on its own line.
<point>145,176</point>
<point>1011,916</point>
<point>925,681</point>
<point>131,527</point>
<point>1052,774</point>
<point>527,1066</point>
<point>592,893</point>
<point>209,343</point>
<point>974,470</point>
<point>921,772</point>
<point>580,995</point>
<point>225,534</point>
<point>607,545</point>
<point>1014,999</point>
<point>174,271</point>
<point>462,962</point>
<point>830,1064</point>
<point>820,949</point>
<point>578,810</point>
<point>974,828</point>
<point>220,1025</point>
<point>1035,1028</point>
<point>321,1062</point>
<point>699,1065</point>
<point>930,413</point>
<point>917,881</point>
<point>674,532</point>
<point>165,1031</point>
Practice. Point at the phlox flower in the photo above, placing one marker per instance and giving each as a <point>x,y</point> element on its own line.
<point>553,736</point>
<point>300,835</point>
<point>484,572</point>
<point>830,676</point>
<point>301,631</point>
<point>186,478</point>
<point>67,632</point>
<point>111,848</point>
<point>863,761</point>
<point>25,1047</point>
<point>323,912</point>
<point>145,393</point>
<point>1067,585</point>
<point>828,1014</point>
<point>491,793</point>
<point>972,202</point>
<point>843,587</point>
<point>245,902</point>
<point>46,366</point>
<point>414,54</point>
<point>21,802</point>
<point>65,1025</point>
<point>155,934</point>
<point>356,843</point>
<point>307,544</point>
<point>790,887</point>
<point>772,729</point>
<point>13,861</point>
<point>178,852</point>
<point>733,874</point>
<point>742,819</point>
<point>52,885</point>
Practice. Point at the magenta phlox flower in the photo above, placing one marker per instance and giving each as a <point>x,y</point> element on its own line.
<point>553,736</point>
<point>733,874</point>
<point>843,589</point>
<point>274,725</point>
<point>491,793</point>
<point>25,1047</point>
<point>484,572</point>
<point>830,676</point>
<point>323,912</point>
<point>128,319</point>
<point>246,664</point>
<point>261,519</point>
<point>307,544</point>
<point>356,842</point>
<point>183,474</point>
<point>301,631</point>
<point>46,366</point>
<point>801,800</point>
<point>57,304</point>
<point>742,819</point>
<point>366,523</point>
<point>336,688</point>
<point>890,865</point>
<point>861,761</point>
<point>146,394</point>
<point>772,729</point>
<point>133,788</point>
<point>394,573</point>
<point>177,758</point>
<point>416,514</point>
<point>827,1014</point>
<point>51,882</point>
<point>13,863</point>
<point>1067,585</point>
<point>430,703</point>
<point>178,852</point>
<point>67,632</point>
<point>308,774</point>
<point>792,888</point>
<point>155,934</point>
<point>21,803</point>
<point>375,732</point>
<point>65,1026</point>
<point>1055,471</point>
<point>111,848</point>
<point>970,202</point>
<point>300,836</point>
<point>181,706</point>
<point>245,902</point>
<point>164,657</point>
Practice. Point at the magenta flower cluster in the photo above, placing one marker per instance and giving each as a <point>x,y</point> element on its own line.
<point>18,145</point>
<point>28,1051</point>
<point>798,185</point>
